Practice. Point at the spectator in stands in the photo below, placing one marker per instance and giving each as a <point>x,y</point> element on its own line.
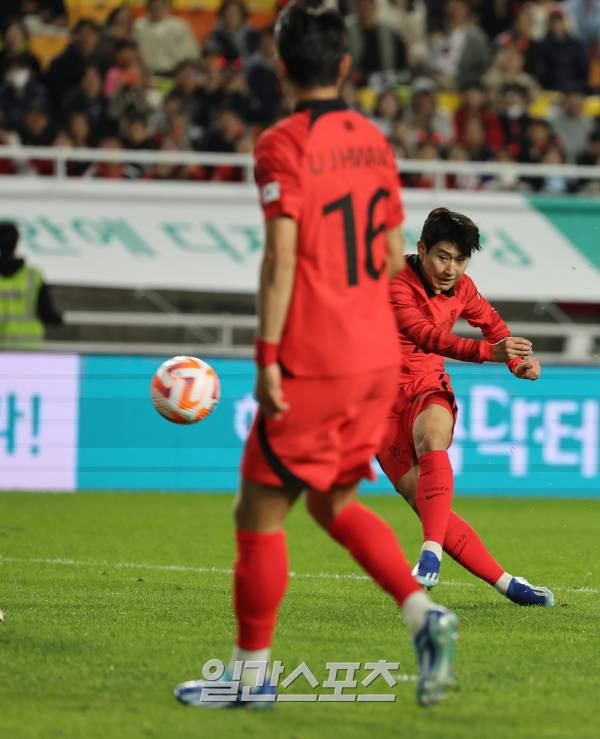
<point>555,184</point>
<point>585,21</point>
<point>475,141</point>
<point>508,68</point>
<point>163,38</point>
<point>137,133</point>
<point>196,99</point>
<point>539,137</point>
<point>521,38</point>
<point>119,25</point>
<point>563,60</point>
<point>425,120</point>
<point>67,69</point>
<point>375,47</point>
<point>461,54</point>
<point>539,12</point>
<point>475,105</point>
<point>15,44</point>
<point>112,170</point>
<point>408,18</point>
<point>572,126</point>
<point>514,117</point>
<point>400,136</point>
<point>39,14</point>
<point>88,97</point>
<point>429,151</point>
<point>173,130</point>
<point>37,128</point>
<point>79,129</point>
<point>233,36</point>
<point>19,89</point>
<point>497,17</point>
<point>506,180</point>
<point>386,111</point>
<point>227,129</point>
<point>263,81</point>
<point>9,137</point>
<point>591,158</point>
<point>461,181</point>
<point>126,86</point>
<point>26,305</point>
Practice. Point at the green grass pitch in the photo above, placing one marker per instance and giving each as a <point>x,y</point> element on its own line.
<point>110,601</point>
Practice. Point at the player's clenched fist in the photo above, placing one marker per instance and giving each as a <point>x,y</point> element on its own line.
<point>513,347</point>
<point>528,369</point>
<point>268,391</point>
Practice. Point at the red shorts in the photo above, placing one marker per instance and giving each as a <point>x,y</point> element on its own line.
<point>329,435</point>
<point>397,453</point>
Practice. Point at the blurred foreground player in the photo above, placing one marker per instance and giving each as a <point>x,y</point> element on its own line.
<point>428,297</point>
<point>326,374</point>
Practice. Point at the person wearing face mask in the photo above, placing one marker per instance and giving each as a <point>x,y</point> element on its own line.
<point>15,42</point>
<point>514,117</point>
<point>19,89</point>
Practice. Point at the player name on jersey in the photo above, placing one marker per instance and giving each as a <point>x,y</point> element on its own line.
<point>348,157</point>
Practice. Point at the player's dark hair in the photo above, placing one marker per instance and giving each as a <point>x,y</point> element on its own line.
<point>311,43</point>
<point>9,237</point>
<point>455,228</point>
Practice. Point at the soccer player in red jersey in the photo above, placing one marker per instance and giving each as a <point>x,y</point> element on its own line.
<point>326,354</point>
<point>428,297</point>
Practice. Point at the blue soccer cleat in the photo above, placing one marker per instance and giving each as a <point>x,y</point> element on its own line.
<point>435,645</point>
<point>225,693</point>
<point>427,570</point>
<point>525,594</point>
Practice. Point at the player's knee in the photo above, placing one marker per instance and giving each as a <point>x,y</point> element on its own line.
<point>430,441</point>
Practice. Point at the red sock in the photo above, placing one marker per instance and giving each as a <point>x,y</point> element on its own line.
<point>259,583</point>
<point>464,545</point>
<point>374,546</point>
<point>435,487</point>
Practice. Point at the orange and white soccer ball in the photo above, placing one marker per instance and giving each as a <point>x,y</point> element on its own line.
<point>185,389</point>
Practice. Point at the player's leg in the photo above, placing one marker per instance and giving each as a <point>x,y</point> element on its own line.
<point>259,584</point>
<point>373,544</point>
<point>465,546</point>
<point>432,434</point>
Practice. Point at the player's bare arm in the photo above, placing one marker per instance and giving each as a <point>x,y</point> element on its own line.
<point>275,292</point>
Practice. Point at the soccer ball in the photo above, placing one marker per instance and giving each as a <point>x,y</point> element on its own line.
<point>185,389</point>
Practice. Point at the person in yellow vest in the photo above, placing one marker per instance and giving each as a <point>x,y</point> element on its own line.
<point>26,305</point>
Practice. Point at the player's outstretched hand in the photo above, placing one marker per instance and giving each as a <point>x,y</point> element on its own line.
<point>268,391</point>
<point>529,369</point>
<point>512,347</point>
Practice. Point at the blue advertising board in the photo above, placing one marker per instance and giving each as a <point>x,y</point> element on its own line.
<point>513,437</point>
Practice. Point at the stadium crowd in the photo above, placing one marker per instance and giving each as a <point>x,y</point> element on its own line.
<point>463,80</point>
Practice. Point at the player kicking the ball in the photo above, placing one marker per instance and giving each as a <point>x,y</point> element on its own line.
<point>326,375</point>
<point>428,297</point>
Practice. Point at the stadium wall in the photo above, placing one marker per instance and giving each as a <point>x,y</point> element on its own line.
<point>209,237</point>
<point>79,423</point>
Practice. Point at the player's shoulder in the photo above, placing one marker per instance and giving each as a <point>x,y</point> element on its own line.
<point>286,135</point>
<point>466,287</point>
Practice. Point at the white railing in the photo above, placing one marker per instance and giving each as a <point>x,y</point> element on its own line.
<point>438,168</point>
<point>579,339</point>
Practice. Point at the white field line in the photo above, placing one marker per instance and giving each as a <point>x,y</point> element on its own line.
<point>228,571</point>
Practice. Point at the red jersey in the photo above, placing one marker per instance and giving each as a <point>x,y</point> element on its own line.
<point>332,171</point>
<point>425,319</point>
